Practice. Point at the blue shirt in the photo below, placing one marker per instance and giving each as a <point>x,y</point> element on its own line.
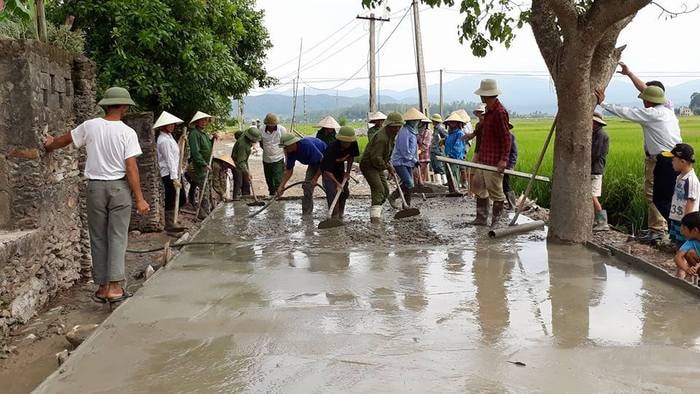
<point>454,145</point>
<point>690,244</point>
<point>439,134</point>
<point>405,149</point>
<point>309,151</point>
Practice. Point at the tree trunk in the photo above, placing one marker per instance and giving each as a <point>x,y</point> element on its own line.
<point>571,215</point>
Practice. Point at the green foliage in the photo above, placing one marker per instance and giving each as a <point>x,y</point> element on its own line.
<point>62,37</point>
<point>695,101</point>
<point>15,30</point>
<point>179,55</point>
<point>18,10</point>
<point>342,121</point>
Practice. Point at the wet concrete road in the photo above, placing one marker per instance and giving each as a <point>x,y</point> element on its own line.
<point>424,305</point>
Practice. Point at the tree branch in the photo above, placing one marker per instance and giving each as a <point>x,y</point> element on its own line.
<point>673,14</point>
<point>565,11</point>
<point>547,34</point>
<point>606,56</point>
<point>605,13</point>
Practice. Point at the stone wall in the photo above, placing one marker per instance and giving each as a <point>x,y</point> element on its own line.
<point>151,184</point>
<point>43,245</point>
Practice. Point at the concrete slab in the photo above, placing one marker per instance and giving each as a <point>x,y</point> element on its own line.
<point>422,305</point>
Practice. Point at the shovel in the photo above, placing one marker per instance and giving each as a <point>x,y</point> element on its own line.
<point>256,203</point>
<point>331,221</point>
<point>405,212</point>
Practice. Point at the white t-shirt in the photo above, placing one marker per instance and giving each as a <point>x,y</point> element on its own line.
<point>270,143</point>
<point>168,155</point>
<point>108,143</point>
<point>687,188</point>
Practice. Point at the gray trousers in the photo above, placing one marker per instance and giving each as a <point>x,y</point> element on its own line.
<point>307,202</point>
<point>109,213</point>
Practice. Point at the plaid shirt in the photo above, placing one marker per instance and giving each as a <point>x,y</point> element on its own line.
<point>493,138</point>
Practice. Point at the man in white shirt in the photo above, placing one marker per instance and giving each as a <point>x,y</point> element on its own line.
<point>113,174</point>
<point>273,155</point>
<point>169,164</point>
<point>661,133</point>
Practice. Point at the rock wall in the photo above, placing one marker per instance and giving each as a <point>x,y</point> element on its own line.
<point>43,243</point>
<point>151,184</point>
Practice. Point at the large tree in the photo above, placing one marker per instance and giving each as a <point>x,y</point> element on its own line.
<point>577,39</point>
<point>179,55</point>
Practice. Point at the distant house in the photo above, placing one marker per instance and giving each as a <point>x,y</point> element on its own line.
<point>685,111</point>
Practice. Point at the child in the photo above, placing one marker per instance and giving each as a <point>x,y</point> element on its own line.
<point>687,190</point>
<point>687,258</point>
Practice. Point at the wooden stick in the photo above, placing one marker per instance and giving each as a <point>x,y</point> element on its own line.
<point>491,168</point>
<point>204,185</point>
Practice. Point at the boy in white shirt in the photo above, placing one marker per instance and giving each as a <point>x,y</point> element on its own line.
<point>113,174</point>
<point>686,195</point>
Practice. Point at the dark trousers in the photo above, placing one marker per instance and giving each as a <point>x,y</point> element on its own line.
<point>331,190</point>
<point>241,186</point>
<point>506,183</point>
<point>664,185</point>
<point>273,175</point>
<point>169,189</point>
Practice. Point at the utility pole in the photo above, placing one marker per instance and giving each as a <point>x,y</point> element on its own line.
<point>372,60</point>
<point>441,102</point>
<point>241,104</point>
<point>420,66</point>
<point>304,94</point>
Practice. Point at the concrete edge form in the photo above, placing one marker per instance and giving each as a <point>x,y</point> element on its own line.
<point>645,266</point>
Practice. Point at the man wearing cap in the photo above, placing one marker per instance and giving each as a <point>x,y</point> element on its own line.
<point>661,133</point>
<point>273,154</point>
<point>375,120</point>
<point>309,151</point>
<point>599,153</point>
<point>405,156</point>
<point>439,134</point>
<point>336,166</point>
<point>375,160</point>
<point>328,128</point>
<point>113,177</point>
<point>641,85</point>
<point>240,154</point>
<point>169,164</point>
<point>201,147</point>
<point>494,141</point>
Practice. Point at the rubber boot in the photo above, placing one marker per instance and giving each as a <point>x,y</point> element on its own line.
<point>375,214</point>
<point>497,213</point>
<point>169,223</point>
<point>510,196</point>
<point>482,212</point>
<point>601,221</point>
<point>394,199</point>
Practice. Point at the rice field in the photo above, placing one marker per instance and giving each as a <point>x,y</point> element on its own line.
<point>623,182</point>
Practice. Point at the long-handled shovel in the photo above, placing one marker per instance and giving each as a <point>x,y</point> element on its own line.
<point>256,203</point>
<point>331,221</point>
<point>205,184</point>
<point>405,212</point>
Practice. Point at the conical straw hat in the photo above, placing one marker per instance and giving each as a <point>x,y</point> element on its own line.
<point>376,116</point>
<point>455,117</point>
<point>165,119</point>
<point>464,115</point>
<point>199,115</point>
<point>413,114</point>
<point>329,123</point>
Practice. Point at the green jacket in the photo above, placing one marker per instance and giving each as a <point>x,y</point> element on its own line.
<point>240,153</point>
<point>378,151</point>
<point>371,132</point>
<point>200,148</point>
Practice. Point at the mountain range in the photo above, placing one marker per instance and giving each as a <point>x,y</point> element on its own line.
<point>523,95</point>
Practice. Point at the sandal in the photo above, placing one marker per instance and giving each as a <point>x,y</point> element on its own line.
<point>124,296</point>
<point>98,299</point>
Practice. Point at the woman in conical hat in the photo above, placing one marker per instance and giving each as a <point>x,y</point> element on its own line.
<point>328,129</point>
<point>169,164</point>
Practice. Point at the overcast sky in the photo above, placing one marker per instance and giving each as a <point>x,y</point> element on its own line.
<point>656,47</point>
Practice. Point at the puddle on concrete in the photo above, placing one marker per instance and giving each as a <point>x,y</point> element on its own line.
<point>291,308</point>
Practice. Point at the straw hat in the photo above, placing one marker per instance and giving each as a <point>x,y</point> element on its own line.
<point>346,134</point>
<point>488,88</point>
<point>271,120</point>
<point>116,96</point>
<point>372,116</point>
<point>200,115</point>
<point>413,114</point>
<point>329,123</point>
<point>464,115</point>
<point>288,139</point>
<point>226,158</point>
<point>393,119</point>
<point>480,108</point>
<point>437,118</point>
<point>653,94</point>
<point>455,117</point>
<point>165,119</point>
<point>598,118</point>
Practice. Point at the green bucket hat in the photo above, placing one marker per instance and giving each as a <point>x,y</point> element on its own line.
<point>238,134</point>
<point>393,119</point>
<point>288,139</point>
<point>116,96</point>
<point>346,134</point>
<point>437,118</point>
<point>253,134</point>
<point>653,94</point>
<point>271,120</point>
